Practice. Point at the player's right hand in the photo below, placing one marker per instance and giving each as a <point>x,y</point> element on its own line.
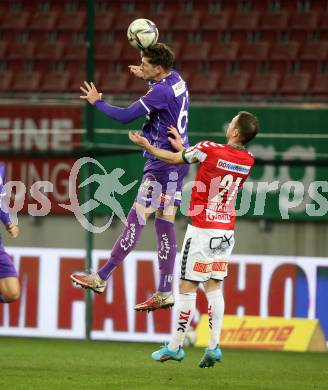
<point>13,230</point>
<point>136,70</point>
<point>91,93</point>
<point>139,140</point>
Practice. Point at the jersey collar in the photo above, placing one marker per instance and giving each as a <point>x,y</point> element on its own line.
<point>237,147</point>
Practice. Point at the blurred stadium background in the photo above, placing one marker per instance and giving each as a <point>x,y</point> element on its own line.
<point>269,57</point>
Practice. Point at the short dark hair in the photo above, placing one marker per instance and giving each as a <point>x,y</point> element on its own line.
<point>248,125</point>
<point>159,54</point>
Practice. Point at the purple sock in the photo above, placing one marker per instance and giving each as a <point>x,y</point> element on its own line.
<point>123,245</point>
<point>167,250</point>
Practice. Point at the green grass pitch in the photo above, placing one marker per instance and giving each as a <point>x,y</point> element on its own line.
<point>70,364</point>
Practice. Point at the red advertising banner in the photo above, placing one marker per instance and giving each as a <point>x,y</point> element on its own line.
<point>40,128</point>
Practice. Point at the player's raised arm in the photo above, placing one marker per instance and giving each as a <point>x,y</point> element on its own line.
<point>161,154</point>
<point>124,115</point>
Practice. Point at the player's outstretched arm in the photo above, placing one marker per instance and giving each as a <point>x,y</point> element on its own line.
<point>123,115</point>
<point>161,154</point>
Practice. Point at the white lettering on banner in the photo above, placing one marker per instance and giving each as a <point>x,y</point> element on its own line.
<point>40,136</point>
<point>53,307</point>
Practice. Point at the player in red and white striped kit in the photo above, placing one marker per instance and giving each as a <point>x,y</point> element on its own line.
<point>209,239</point>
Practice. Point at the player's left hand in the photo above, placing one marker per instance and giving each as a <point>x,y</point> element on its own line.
<point>13,230</point>
<point>175,138</point>
<point>139,140</point>
<point>91,93</point>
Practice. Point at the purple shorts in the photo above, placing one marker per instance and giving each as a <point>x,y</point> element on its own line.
<point>7,268</point>
<point>161,184</point>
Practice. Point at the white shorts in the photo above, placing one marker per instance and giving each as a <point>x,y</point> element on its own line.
<point>205,253</point>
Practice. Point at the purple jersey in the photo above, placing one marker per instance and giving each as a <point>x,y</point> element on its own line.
<point>167,104</point>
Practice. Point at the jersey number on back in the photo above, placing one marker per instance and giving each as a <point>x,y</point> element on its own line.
<point>183,116</point>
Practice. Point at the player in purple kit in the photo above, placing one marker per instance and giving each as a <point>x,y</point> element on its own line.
<point>9,284</point>
<point>165,104</point>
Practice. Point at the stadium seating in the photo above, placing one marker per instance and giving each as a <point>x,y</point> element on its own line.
<point>295,84</point>
<point>264,84</point>
<point>55,82</point>
<point>320,85</point>
<point>262,47</point>
<point>26,82</point>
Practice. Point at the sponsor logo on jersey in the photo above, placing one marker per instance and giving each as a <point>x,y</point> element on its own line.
<point>233,167</point>
<point>217,217</point>
<point>179,88</point>
<point>205,268</point>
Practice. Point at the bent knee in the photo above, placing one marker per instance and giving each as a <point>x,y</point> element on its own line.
<point>12,296</point>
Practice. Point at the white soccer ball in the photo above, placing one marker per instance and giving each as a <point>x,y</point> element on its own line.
<point>142,33</point>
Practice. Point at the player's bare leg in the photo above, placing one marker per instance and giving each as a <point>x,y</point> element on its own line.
<point>9,289</point>
<point>167,248</point>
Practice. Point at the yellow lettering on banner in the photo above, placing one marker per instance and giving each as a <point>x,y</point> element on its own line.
<point>251,332</point>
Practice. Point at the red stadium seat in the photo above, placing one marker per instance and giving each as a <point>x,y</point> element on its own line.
<point>55,82</point>
<point>204,83</point>
<point>295,84</point>
<point>15,21</point>
<point>6,81</point>
<point>74,21</point>
<point>245,21</point>
<point>123,20</point>
<point>162,20</point>
<point>21,51</point>
<point>216,22</point>
<point>255,51</point>
<point>115,83</point>
<point>77,78</point>
<point>104,21</point>
<point>224,51</point>
<point>186,22</point>
<point>274,21</point>
<point>75,51</point>
<point>109,51</point>
<point>3,49</point>
<point>324,23</point>
<point>314,51</point>
<point>26,82</point>
<point>234,83</point>
<point>43,21</point>
<point>130,54</point>
<point>285,51</point>
<point>51,51</point>
<point>304,21</point>
<point>137,86</point>
<point>264,84</point>
<point>320,85</point>
<point>196,52</point>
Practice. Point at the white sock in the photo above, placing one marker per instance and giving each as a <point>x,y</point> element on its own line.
<point>185,313</point>
<point>215,313</point>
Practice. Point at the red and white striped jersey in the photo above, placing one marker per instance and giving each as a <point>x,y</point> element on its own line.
<point>222,172</point>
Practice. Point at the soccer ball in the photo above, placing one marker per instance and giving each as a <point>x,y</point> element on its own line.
<point>142,33</point>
